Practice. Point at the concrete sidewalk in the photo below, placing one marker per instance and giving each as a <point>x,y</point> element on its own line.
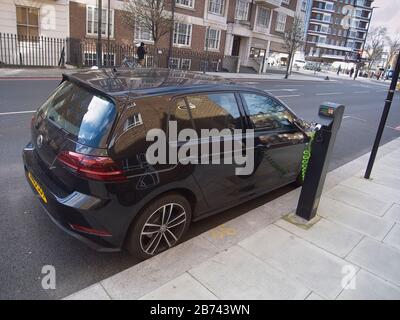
<point>261,255</point>
<point>57,73</point>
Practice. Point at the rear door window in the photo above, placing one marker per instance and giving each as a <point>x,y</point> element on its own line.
<point>87,117</point>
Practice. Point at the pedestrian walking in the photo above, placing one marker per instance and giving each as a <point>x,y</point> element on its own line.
<point>339,69</point>
<point>141,52</point>
<point>351,72</point>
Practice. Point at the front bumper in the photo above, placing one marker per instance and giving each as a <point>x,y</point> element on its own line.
<point>71,209</point>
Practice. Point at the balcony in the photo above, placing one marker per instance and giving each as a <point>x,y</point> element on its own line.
<point>331,46</point>
<point>270,3</point>
<point>333,57</point>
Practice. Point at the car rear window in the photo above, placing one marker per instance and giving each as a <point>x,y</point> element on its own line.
<point>86,116</point>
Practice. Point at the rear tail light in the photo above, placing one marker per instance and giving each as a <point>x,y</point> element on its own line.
<point>91,167</point>
<point>87,230</point>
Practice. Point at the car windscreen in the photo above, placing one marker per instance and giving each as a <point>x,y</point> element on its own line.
<point>87,117</point>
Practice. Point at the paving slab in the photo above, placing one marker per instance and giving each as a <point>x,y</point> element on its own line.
<point>312,266</point>
<point>369,187</point>
<point>232,232</point>
<point>151,274</point>
<point>386,178</point>
<point>394,212</point>
<point>314,296</point>
<point>378,258</point>
<point>360,200</point>
<point>393,238</point>
<point>185,287</point>
<point>95,292</point>
<point>327,235</point>
<point>354,218</point>
<point>236,274</point>
<point>370,287</point>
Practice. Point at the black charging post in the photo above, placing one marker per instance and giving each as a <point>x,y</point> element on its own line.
<point>331,115</point>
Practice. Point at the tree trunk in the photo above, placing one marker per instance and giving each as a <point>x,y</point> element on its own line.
<point>288,66</point>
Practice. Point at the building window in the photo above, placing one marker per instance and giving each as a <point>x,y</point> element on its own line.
<point>91,21</point>
<point>263,17</point>
<point>182,34</point>
<point>216,7</point>
<point>177,63</point>
<point>185,3</point>
<point>280,22</point>
<point>242,9</point>
<point>287,2</point>
<point>213,36</point>
<point>143,34</point>
<point>27,22</point>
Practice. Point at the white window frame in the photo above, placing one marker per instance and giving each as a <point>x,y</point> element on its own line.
<point>139,32</point>
<point>242,13</point>
<point>216,7</point>
<point>268,17</point>
<point>188,41</point>
<point>281,22</point>
<point>179,63</point>
<point>217,41</point>
<point>182,4</point>
<point>94,30</point>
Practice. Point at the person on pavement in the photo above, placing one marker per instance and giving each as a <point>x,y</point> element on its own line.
<point>339,69</point>
<point>141,52</point>
<point>351,72</point>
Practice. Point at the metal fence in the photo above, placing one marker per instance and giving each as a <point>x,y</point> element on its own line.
<point>17,50</point>
<point>83,53</point>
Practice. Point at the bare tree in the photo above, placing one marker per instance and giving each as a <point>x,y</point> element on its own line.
<point>375,45</point>
<point>394,47</point>
<point>149,15</point>
<point>294,40</point>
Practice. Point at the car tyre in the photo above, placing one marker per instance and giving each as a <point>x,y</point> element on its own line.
<point>161,225</point>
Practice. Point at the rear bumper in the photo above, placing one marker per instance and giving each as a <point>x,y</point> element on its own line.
<point>72,209</point>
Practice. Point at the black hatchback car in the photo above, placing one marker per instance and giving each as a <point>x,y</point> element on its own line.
<point>87,164</point>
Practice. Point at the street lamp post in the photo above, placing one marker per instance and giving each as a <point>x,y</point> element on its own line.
<point>171,36</point>
<point>108,35</point>
<point>99,17</point>
<point>384,117</point>
<point>207,39</point>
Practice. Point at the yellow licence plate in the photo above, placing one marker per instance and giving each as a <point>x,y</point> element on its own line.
<point>37,187</point>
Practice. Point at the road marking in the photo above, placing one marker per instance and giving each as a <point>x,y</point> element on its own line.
<point>16,112</point>
<point>30,78</point>
<point>329,93</point>
<point>288,90</point>
<point>289,96</point>
<point>355,118</point>
<point>393,128</point>
<point>360,92</point>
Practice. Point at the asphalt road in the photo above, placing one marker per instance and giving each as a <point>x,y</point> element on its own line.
<point>29,240</point>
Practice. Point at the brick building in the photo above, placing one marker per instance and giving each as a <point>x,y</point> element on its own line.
<point>337,29</point>
<point>252,30</point>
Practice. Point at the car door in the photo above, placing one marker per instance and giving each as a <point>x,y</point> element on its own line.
<point>278,142</point>
<point>220,184</point>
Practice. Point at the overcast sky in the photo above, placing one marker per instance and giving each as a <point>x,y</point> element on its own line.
<point>387,15</point>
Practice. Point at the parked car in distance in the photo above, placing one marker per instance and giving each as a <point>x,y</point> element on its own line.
<point>312,66</point>
<point>299,64</point>
<point>86,159</point>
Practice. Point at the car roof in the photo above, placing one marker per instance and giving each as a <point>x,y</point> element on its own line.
<point>150,81</point>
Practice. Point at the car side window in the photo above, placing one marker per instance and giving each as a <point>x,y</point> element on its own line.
<point>266,113</point>
<point>214,111</point>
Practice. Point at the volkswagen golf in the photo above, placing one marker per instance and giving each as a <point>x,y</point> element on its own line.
<point>86,159</point>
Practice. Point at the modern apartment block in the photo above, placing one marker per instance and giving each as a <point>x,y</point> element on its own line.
<point>337,29</point>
